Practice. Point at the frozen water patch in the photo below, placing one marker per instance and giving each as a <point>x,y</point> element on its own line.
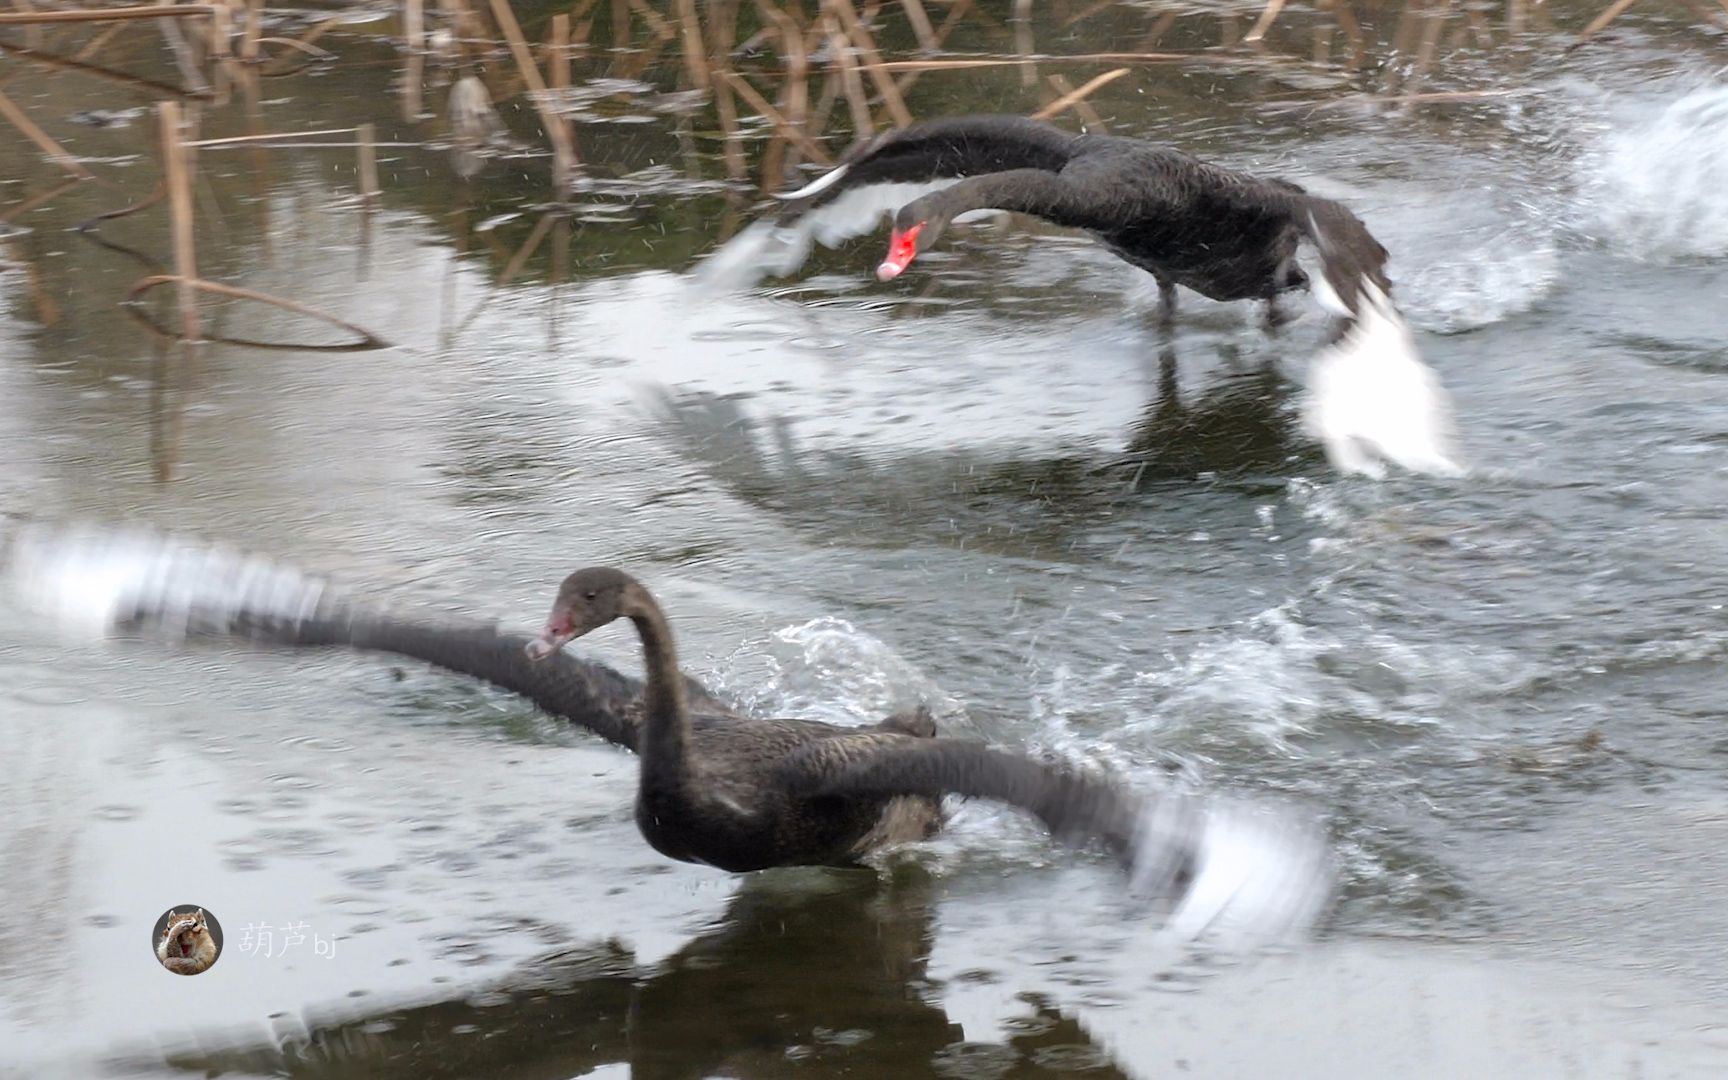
<point>1658,188</point>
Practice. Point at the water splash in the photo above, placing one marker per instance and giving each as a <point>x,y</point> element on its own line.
<point>1658,189</point>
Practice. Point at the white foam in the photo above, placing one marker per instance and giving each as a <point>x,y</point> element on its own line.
<point>95,580</point>
<point>1372,401</point>
<point>1659,187</point>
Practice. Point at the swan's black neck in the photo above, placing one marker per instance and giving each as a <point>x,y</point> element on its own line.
<point>1026,191</point>
<point>666,721</point>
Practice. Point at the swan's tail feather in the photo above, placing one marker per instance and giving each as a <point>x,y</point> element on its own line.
<point>1371,401</point>
<point>1351,260</point>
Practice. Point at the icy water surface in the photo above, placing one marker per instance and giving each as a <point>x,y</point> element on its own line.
<point>993,487</point>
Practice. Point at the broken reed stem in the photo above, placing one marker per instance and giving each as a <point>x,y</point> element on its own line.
<point>862,124</point>
<point>695,57</point>
<point>1069,98</point>
<point>558,67</point>
<point>774,116</point>
<point>255,31</point>
<point>1077,97</point>
<point>367,160</point>
<point>860,36</point>
<point>564,162</point>
<point>368,340</point>
<point>414,25</point>
<point>176,162</point>
<point>1609,14</point>
<point>54,150</point>
<point>271,137</point>
<point>221,32</point>
<point>154,11</point>
<point>1022,20</point>
<point>921,25</point>
<point>1264,23</point>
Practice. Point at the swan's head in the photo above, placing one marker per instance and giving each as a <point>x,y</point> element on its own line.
<point>916,227</point>
<point>588,600</point>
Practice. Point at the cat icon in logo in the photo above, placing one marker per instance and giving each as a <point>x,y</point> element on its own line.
<point>188,940</point>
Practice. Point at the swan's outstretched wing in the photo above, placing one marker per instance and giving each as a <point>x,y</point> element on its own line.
<point>142,579</point>
<point>1254,870</point>
<point>1078,808</point>
<point>875,178</point>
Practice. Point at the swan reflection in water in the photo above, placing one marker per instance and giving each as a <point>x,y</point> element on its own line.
<point>805,967</point>
<point>1242,422</point>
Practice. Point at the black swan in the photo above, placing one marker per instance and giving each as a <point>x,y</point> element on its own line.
<point>750,793</point>
<point>1222,233</point>
<point>737,792</point>
<point>1225,234</point>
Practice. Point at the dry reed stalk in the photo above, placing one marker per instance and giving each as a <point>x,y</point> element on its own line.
<point>96,43</point>
<point>1399,99</point>
<point>98,72</point>
<point>621,27</point>
<point>221,31</point>
<point>153,11</point>
<point>850,83</point>
<point>1346,19</point>
<point>1264,23</point>
<point>368,340</point>
<point>695,59</point>
<point>318,29</point>
<point>783,126</point>
<point>1322,53</point>
<point>528,248</point>
<point>726,108</point>
<point>658,26</point>
<point>13,213</point>
<point>177,166</point>
<point>275,136</point>
<point>414,25</point>
<point>1160,27</point>
<point>1608,15</point>
<point>1076,99</point>
<point>54,150</point>
<point>1434,23</point>
<point>564,161</point>
<point>367,161</point>
<point>191,72</point>
<point>1086,13</point>
<point>1022,22</point>
<point>1081,58</point>
<point>921,25</point>
<point>860,35</point>
<point>558,67</point>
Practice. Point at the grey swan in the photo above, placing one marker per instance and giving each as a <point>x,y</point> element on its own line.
<point>1225,234</point>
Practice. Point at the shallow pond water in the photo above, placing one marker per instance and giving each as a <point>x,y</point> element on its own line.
<point>995,487</point>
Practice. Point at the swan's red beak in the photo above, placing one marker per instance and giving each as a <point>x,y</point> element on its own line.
<point>558,633</point>
<point>902,249</point>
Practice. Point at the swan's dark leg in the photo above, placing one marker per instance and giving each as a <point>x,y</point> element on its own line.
<point>1276,317</point>
<point>1166,301</point>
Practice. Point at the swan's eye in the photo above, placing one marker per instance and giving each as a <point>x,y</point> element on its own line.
<point>590,596</point>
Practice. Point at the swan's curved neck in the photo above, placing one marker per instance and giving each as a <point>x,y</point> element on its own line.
<point>666,722</point>
<point>1027,191</point>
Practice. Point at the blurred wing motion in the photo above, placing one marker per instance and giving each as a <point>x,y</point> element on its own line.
<point>103,580</point>
<point>1232,868</point>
